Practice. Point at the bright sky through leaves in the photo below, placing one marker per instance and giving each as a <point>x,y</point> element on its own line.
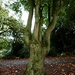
<point>24,16</point>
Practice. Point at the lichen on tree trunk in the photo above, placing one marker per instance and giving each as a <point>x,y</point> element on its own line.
<point>36,61</point>
<point>40,44</point>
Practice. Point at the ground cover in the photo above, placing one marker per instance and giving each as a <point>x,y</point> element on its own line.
<point>53,66</point>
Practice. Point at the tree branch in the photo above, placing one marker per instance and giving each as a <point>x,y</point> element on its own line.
<point>40,24</point>
<point>29,22</point>
<point>52,26</point>
<point>60,7</point>
<point>37,18</point>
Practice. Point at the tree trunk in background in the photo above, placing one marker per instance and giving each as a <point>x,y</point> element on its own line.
<point>36,61</point>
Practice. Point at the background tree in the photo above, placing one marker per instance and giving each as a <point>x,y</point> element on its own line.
<point>10,27</point>
<point>63,34</point>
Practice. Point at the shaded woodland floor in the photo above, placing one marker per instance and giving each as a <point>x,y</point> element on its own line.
<point>53,66</point>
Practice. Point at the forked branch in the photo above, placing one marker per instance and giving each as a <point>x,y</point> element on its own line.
<point>52,25</point>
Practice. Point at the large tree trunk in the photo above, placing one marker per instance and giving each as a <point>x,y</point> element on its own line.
<point>36,61</point>
<point>39,46</point>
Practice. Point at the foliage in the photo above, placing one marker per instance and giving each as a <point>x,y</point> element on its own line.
<point>65,22</point>
<point>24,53</point>
<point>63,35</point>
<point>3,12</point>
<point>63,40</point>
<point>10,27</point>
<point>53,52</point>
<point>5,46</point>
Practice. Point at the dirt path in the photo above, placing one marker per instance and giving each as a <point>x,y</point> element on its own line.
<point>53,66</point>
<point>17,62</point>
<point>56,60</point>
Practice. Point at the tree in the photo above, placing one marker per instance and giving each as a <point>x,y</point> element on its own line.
<point>4,42</point>
<point>64,34</point>
<point>38,42</point>
<point>9,28</point>
<point>39,46</point>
